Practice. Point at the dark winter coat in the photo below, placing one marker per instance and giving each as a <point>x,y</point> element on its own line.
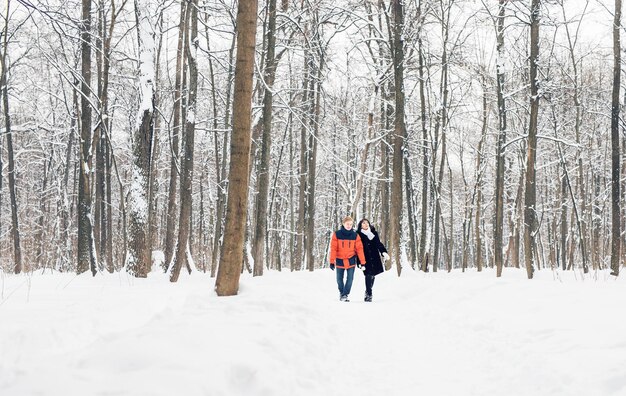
<point>373,249</point>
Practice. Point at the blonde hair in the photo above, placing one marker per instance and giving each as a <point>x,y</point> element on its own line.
<point>347,218</point>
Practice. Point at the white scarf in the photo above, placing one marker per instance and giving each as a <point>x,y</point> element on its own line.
<point>368,233</point>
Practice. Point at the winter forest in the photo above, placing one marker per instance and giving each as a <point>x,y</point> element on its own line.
<point>157,155</point>
<point>473,133</point>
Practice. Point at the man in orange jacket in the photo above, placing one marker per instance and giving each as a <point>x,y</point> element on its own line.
<point>345,246</point>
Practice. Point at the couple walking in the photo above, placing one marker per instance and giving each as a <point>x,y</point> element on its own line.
<point>361,248</point>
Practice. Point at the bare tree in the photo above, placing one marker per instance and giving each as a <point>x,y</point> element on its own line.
<point>399,133</point>
<point>86,249</point>
<point>176,128</point>
<point>615,152</point>
<point>15,229</point>
<point>500,155</point>
<point>139,258</point>
<point>260,233</point>
<point>530,192</point>
<point>183,254</point>
<point>227,282</point>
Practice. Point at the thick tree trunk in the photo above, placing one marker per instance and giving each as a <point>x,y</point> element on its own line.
<point>530,192</point>
<point>139,259</point>
<point>86,249</point>
<point>399,135</point>
<point>615,152</point>
<point>227,282</point>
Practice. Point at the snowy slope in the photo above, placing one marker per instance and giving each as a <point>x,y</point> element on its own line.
<point>287,334</point>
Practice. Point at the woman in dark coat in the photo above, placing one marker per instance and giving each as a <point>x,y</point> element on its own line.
<point>373,248</point>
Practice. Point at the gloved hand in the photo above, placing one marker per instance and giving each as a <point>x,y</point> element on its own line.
<point>359,266</point>
<point>385,256</point>
<point>332,267</point>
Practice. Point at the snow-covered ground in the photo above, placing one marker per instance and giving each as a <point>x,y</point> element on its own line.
<point>287,334</point>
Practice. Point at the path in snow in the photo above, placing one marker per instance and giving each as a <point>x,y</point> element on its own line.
<point>287,334</point>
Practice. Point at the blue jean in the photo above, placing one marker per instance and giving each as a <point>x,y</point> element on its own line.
<point>344,289</point>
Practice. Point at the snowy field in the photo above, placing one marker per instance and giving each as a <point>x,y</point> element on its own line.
<point>287,334</point>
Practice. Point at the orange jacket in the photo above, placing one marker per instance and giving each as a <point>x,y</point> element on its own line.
<point>345,246</point>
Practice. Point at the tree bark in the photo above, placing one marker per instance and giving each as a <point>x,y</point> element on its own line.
<point>310,222</point>
<point>86,250</point>
<point>530,192</point>
<point>221,167</point>
<point>139,259</point>
<point>183,253</point>
<point>399,134</point>
<point>500,155</point>
<point>260,233</point>
<point>410,193</point>
<point>479,182</point>
<point>170,231</point>
<point>615,152</point>
<point>425,143</point>
<point>227,282</point>
<point>304,152</point>
<point>15,229</point>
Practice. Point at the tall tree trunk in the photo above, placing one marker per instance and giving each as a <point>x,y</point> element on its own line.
<point>153,184</point>
<point>103,179</point>
<point>399,134</point>
<point>410,193</point>
<point>170,231</point>
<point>260,233</point>
<point>221,167</point>
<point>479,181</point>
<point>564,228</point>
<point>15,230</point>
<point>386,112</point>
<point>500,157</point>
<point>139,260</point>
<point>310,222</point>
<point>530,193</point>
<point>182,254</point>
<point>109,205</point>
<point>86,249</point>
<point>227,282</point>
<point>615,152</point>
<point>442,120</point>
<point>425,142</point>
<point>304,152</point>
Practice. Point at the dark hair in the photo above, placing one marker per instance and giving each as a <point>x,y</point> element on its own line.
<point>358,228</point>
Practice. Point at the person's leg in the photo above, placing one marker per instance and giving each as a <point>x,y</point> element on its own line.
<point>369,282</point>
<point>340,285</point>
<point>348,286</point>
